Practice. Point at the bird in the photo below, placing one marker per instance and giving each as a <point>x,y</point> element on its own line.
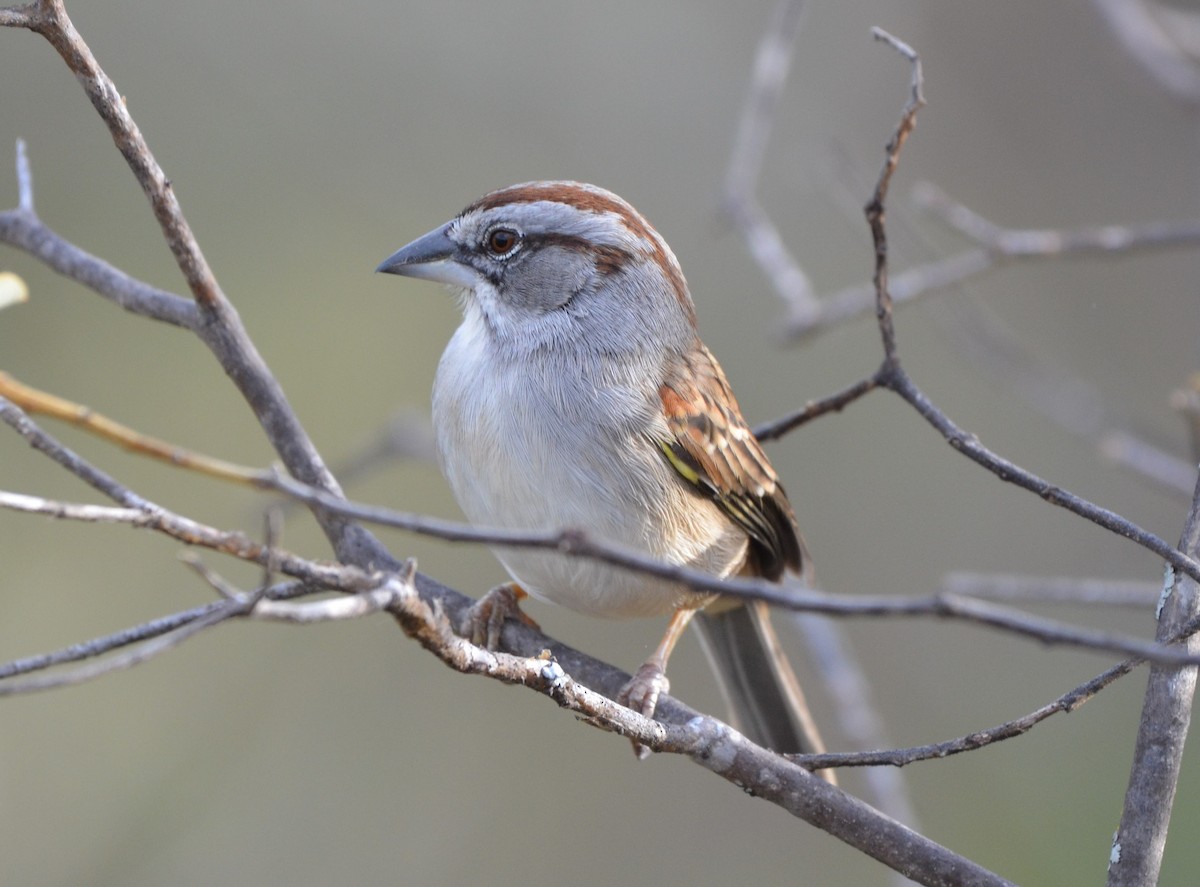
<point>577,394</point>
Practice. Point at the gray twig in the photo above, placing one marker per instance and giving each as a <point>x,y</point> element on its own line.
<point>1166,716</point>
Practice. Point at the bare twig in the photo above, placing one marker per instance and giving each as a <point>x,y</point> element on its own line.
<point>221,329</point>
<point>715,746</point>
<point>858,718</point>
<point>144,514</point>
<point>967,444</point>
<point>833,403</point>
<point>106,644</point>
<point>995,246</point>
<point>901,757</point>
<point>22,228</point>
<point>422,615</point>
<point>875,206</point>
<point>135,656</point>
<point>1067,399</point>
<point>1151,34</point>
<point>1066,703</point>
<point>24,179</point>
<point>1166,715</point>
<point>577,543</point>
<point>1052,589</point>
<point>31,400</point>
<point>741,205</point>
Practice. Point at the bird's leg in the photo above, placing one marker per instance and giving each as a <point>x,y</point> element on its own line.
<point>650,680</point>
<point>484,621</point>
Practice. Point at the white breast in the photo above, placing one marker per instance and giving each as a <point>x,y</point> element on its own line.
<point>544,448</point>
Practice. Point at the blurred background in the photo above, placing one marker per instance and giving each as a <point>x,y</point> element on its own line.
<point>306,143</point>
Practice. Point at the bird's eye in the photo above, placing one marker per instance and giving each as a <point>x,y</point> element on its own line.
<point>501,241</point>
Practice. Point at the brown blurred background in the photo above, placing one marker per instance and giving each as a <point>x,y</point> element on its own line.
<point>308,141</point>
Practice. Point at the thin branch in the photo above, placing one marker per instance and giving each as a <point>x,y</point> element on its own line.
<point>570,541</point>
<point>1138,846</point>
<point>18,16</point>
<point>38,682</point>
<point>31,400</point>
<point>1048,631</point>
<point>50,20</point>
<point>221,330</point>
<point>703,739</point>
<point>1166,715</point>
<point>1066,703</point>
<point>968,444</point>
<point>858,718</point>
<point>99,480</point>
<point>99,646</point>
<point>995,246</point>
<point>739,202</point>
<point>24,180</point>
<point>1151,35</point>
<point>1070,401</point>
<point>833,403</point>
<point>266,608</point>
<point>1052,589</point>
<point>902,757</point>
<point>22,228</point>
<point>875,206</point>
<point>578,543</point>
<point>91,514</point>
<point>149,515</point>
<point>711,744</point>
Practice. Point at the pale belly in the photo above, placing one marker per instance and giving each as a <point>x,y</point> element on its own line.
<point>510,471</point>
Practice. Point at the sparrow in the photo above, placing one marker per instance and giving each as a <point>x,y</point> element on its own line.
<point>577,394</point>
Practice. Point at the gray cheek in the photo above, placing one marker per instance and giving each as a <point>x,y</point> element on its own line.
<point>546,279</point>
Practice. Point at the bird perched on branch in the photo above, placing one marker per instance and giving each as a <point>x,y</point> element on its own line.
<point>577,394</point>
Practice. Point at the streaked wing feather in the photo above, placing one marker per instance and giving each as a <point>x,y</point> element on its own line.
<point>713,449</point>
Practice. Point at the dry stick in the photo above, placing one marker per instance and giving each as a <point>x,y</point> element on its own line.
<point>221,328</point>
<point>900,757</point>
<point>51,19</point>
<point>22,228</point>
<point>580,544</point>
<point>704,739</point>
<point>1068,702</point>
<point>830,651</point>
<point>142,513</point>
<point>1164,470</point>
<point>146,516</point>
<point>923,870</point>
<point>1166,715</point>
<point>996,246</point>
<point>1052,589</point>
<point>893,377</point>
<point>270,410</point>
<point>1150,33</point>
<point>1138,846</point>
<point>739,202</point>
<point>897,380</point>
<point>833,403</point>
<point>164,641</point>
<point>570,541</point>
<point>31,400</point>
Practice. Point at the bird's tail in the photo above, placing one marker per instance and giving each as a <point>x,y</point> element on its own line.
<point>757,680</point>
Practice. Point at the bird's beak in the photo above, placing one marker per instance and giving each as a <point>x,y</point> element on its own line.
<point>431,257</point>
